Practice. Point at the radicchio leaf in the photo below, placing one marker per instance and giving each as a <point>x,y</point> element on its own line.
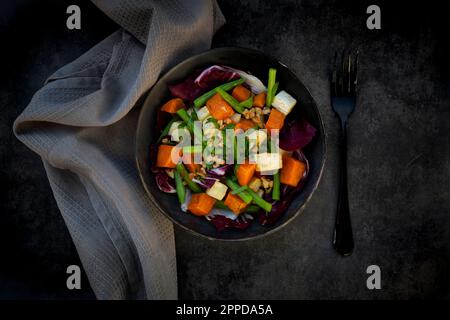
<point>201,81</point>
<point>164,182</point>
<point>187,89</point>
<point>255,85</point>
<point>296,134</point>
<point>221,223</point>
<point>221,212</point>
<point>220,171</point>
<point>214,76</point>
<point>205,182</point>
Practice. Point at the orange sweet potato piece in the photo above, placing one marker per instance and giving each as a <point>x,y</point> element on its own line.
<point>259,100</point>
<point>173,105</point>
<point>245,124</point>
<point>235,203</point>
<point>241,93</point>
<point>201,204</point>
<point>276,120</point>
<point>245,173</point>
<point>219,108</point>
<point>164,158</point>
<point>292,171</point>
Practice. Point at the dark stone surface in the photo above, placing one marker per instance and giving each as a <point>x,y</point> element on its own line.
<point>398,156</point>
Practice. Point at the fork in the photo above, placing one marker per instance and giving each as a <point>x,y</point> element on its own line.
<point>343,100</point>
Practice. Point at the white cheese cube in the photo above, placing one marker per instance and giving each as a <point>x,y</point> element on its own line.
<point>217,191</point>
<point>268,163</point>
<point>284,102</point>
<point>203,113</point>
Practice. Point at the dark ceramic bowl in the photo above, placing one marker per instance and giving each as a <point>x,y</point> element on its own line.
<point>258,64</point>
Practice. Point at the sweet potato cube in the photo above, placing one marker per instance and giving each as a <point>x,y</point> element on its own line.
<point>241,93</point>
<point>245,124</point>
<point>276,120</point>
<point>173,105</point>
<point>292,171</point>
<point>259,100</point>
<point>235,203</point>
<point>219,108</point>
<point>245,173</point>
<point>164,158</point>
<point>201,204</point>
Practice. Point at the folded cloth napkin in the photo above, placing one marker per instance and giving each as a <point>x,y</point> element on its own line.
<point>82,124</point>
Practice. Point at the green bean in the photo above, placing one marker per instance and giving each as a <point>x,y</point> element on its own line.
<point>185,175</point>
<point>166,129</point>
<point>181,191</point>
<point>196,131</point>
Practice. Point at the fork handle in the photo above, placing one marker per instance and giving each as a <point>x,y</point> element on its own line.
<point>343,236</point>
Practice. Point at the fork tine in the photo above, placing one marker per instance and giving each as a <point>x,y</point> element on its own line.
<point>341,75</point>
<point>353,74</point>
<point>349,75</point>
<point>344,73</point>
<point>334,76</point>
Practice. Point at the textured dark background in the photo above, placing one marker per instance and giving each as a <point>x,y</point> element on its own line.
<point>398,156</point>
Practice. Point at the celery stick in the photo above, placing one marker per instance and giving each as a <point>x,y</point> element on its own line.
<point>247,103</point>
<point>276,186</point>
<point>260,201</point>
<point>235,186</point>
<point>252,209</point>
<point>270,86</point>
<point>231,100</point>
<point>220,205</point>
<point>239,190</point>
<point>201,101</point>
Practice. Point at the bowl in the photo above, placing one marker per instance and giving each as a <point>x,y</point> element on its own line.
<point>258,64</point>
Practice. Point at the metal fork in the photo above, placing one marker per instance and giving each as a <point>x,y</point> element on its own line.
<point>343,100</point>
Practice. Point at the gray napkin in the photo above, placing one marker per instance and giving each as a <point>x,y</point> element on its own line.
<point>82,124</point>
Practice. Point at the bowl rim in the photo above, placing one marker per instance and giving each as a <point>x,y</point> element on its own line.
<point>140,170</point>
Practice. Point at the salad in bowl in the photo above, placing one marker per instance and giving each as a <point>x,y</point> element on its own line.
<point>230,147</point>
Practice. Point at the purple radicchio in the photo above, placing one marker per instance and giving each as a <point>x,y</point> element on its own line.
<point>222,222</point>
<point>187,89</point>
<point>296,134</point>
<point>163,181</point>
<point>214,76</point>
<point>255,85</point>
<point>201,81</point>
<point>219,171</point>
<point>205,182</point>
